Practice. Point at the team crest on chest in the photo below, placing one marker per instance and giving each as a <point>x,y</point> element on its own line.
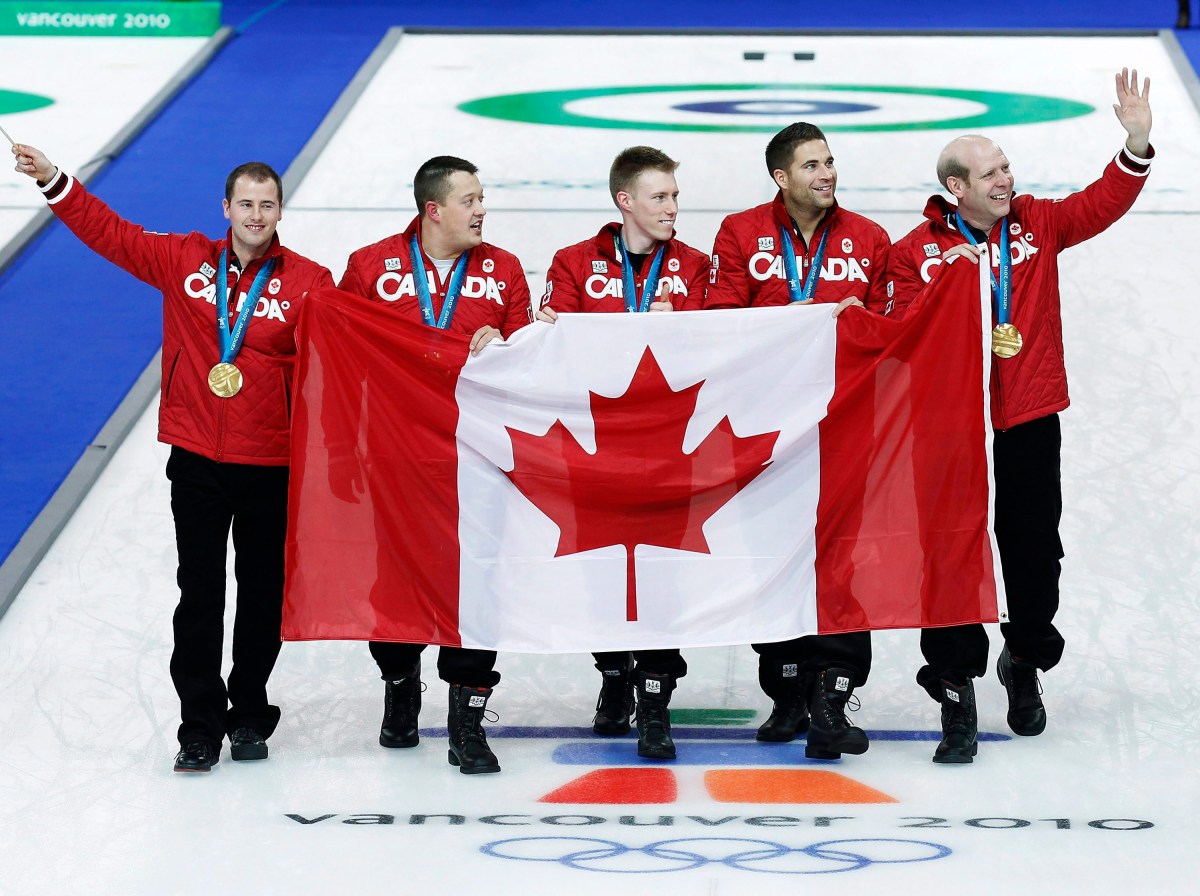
<point>392,264</point>
<point>488,265</point>
<point>599,267</point>
<point>673,265</point>
<point>932,250</point>
<point>207,269</point>
<point>847,245</point>
<point>766,244</point>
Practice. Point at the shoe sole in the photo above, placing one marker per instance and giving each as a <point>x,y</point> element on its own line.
<point>479,770</point>
<point>651,754</point>
<point>832,749</point>
<point>815,753</point>
<point>248,753</point>
<point>958,758</point>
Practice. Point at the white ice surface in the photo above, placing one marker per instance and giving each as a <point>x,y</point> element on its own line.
<point>123,74</point>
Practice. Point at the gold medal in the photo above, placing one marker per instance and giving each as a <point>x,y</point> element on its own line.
<point>225,380</point>
<point>1006,340</point>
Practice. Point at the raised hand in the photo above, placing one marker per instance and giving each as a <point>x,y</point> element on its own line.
<point>1133,110</point>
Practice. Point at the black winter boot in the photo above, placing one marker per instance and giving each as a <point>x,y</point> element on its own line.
<point>830,734</point>
<point>1026,714</point>
<point>788,718</point>
<point>653,717</point>
<point>960,724</point>
<point>614,706</point>
<point>468,744</point>
<point>401,706</point>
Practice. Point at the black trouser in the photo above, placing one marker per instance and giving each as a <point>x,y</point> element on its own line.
<point>785,666</point>
<point>466,666</point>
<point>1028,508</point>
<point>207,498</point>
<point>667,661</point>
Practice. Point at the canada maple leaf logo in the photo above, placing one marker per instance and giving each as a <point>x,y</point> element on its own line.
<point>639,487</point>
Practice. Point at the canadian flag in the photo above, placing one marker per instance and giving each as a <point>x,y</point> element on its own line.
<point>628,481</point>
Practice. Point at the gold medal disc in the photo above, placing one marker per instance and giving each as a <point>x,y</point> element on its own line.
<point>225,380</point>
<point>1006,340</point>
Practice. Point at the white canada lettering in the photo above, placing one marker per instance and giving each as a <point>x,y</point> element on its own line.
<point>598,286</point>
<point>763,266</point>
<point>672,286</point>
<point>774,266</point>
<point>199,287</point>
<point>268,308</point>
<point>482,288</point>
<point>1020,250</point>
<point>393,286</point>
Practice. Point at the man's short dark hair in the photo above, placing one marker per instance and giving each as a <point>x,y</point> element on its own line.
<point>259,172</point>
<point>631,162</point>
<point>432,183</point>
<point>783,145</point>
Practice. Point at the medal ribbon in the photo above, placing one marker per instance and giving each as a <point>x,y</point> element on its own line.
<point>796,292</point>
<point>1002,291</point>
<point>630,288</point>
<point>231,343</point>
<point>457,277</point>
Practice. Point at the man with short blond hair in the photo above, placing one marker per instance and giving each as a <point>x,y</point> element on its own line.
<point>634,265</point>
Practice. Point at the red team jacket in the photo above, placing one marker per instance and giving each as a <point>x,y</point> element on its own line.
<point>587,276</point>
<point>747,262</point>
<point>1033,383</point>
<point>494,294</point>
<point>252,426</point>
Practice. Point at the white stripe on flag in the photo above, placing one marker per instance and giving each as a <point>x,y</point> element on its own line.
<point>768,370</point>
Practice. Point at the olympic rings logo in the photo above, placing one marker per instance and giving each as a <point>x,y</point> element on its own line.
<point>743,854</point>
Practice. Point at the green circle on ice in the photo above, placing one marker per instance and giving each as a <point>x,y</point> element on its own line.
<point>999,108</point>
<point>12,101</point>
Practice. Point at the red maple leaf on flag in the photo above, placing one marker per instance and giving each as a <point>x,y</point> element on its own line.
<point>639,487</point>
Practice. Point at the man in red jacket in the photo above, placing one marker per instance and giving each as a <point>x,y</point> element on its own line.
<point>802,247</point>
<point>229,314</point>
<point>1028,389</point>
<point>633,266</point>
<point>440,271</point>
